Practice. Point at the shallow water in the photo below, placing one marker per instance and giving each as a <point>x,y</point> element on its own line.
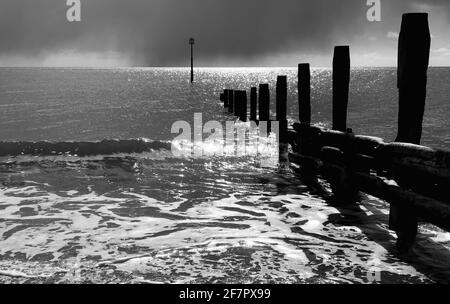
<point>152,217</point>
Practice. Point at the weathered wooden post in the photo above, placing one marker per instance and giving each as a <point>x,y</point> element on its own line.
<point>253,103</point>
<point>264,102</point>
<point>241,105</point>
<point>281,106</point>
<point>244,106</point>
<point>231,101</point>
<point>237,103</point>
<point>264,105</point>
<point>304,93</point>
<point>413,59</point>
<point>342,180</point>
<point>225,98</point>
<point>308,137</point>
<point>281,118</point>
<point>341,80</point>
<point>281,98</point>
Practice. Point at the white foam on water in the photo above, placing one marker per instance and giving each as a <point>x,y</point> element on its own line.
<point>196,219</point>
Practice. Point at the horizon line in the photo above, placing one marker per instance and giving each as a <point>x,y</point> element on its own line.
<point>201,67</point>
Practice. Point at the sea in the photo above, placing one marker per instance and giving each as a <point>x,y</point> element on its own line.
<point>154,217</point>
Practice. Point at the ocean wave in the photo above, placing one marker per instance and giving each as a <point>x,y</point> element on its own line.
<point>104,147</point>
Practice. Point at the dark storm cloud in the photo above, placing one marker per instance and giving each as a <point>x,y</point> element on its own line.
<point>155,32</point>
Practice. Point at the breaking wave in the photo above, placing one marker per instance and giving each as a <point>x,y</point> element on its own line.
<point>104,147</point>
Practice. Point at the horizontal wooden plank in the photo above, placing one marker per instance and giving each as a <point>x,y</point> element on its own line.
<point>431,210</point>
<point>423,160</point>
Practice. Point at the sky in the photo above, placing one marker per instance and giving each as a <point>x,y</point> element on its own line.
<point>119,33</point>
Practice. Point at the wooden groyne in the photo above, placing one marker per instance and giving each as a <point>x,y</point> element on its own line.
<point>413,179</point>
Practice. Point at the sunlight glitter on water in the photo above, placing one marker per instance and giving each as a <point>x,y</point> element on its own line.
<point>153,217</point>
<point>264,228</point>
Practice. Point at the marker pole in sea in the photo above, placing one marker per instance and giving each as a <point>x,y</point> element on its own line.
<point>192,42</point>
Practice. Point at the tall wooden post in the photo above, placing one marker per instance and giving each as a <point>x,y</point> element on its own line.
<point>225,98</point>
<point>281,98</point>
<point>304,93</point>
<point>244,106</point>
<point>306,141</point>
<point>281,105</point>
<point>341,80</point>
<point>192,42</point>
<point>253,103</point>
<point>240,98</point>
<point>342,180</point>
<point>231,101</point>
<point>413,59</point>
<point>237,103</point>
<point>264,102</point>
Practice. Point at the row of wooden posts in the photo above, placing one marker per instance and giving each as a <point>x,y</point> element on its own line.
<point>237,103</point>
<point>353,163</point>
